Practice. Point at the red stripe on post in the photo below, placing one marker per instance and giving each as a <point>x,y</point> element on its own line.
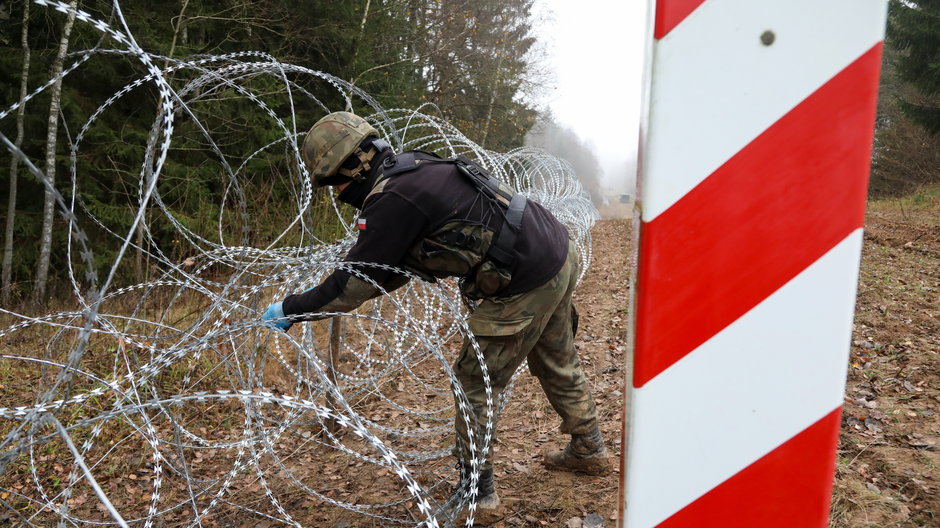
<point>789,487</point>
<point>669,13</point>
<point>759,220</point>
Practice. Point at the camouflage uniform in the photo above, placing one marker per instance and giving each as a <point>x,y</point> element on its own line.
<point>441,218</point>
<point>537,325</point>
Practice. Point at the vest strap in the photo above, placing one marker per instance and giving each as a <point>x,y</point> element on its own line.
<point>501,251</point>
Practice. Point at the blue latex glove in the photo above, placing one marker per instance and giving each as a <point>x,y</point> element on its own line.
<point>274,317</point>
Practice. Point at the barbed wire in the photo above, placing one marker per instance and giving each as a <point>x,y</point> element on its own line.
<point>167,400</point>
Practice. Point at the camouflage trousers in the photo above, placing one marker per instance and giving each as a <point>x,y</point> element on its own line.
<point>538,326</point>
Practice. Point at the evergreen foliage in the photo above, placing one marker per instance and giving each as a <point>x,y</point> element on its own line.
<point>914,31</point>
<point>470,59</point>
<point>907,146</point>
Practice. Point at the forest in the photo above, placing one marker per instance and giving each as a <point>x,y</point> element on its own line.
<point>475,63</point>
<point>190,411</point>
<point>469,62</point>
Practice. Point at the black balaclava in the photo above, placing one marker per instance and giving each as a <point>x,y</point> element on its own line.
<point>356,192</point>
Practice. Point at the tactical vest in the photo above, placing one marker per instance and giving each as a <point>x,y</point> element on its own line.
<point>473,251</point>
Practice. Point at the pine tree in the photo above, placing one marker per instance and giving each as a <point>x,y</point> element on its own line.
<point>470,58</point>
<point>914,31</point>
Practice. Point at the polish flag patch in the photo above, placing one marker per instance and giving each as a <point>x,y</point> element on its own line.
<point>362,224</point>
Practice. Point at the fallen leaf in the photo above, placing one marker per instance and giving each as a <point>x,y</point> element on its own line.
<point>922,444</point>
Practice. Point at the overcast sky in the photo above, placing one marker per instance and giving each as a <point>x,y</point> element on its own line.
<point>595,48</point>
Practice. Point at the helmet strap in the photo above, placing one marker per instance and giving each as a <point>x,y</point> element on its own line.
<point>362,168</point>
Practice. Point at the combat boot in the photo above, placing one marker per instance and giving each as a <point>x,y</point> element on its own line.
<point>455,510</point>
<point>487,499</point>
<point>583,454</point>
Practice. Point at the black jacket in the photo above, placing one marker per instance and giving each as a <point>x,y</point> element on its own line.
<point>408,208</point>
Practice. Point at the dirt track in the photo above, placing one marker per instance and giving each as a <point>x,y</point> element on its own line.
<point>887,473</point>
<point>533,496</point>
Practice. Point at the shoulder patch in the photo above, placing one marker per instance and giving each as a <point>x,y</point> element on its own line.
<point>361,224</point>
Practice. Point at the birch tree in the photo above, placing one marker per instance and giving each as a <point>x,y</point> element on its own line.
<point>14,164</point>
<point>48,210</point>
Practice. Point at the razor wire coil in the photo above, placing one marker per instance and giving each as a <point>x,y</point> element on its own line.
<point>176,380</point>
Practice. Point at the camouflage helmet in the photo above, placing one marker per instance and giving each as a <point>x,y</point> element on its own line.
<point>331,141</point>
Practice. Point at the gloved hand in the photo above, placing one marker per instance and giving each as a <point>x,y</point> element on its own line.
<point>274,317</point>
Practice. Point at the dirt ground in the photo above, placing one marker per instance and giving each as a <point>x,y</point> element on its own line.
<point>887,473</point>
<point>532,495</point>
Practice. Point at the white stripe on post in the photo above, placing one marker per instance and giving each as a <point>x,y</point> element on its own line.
<point>716,87</point>
<point>766,377</point>
<point>753,169</point>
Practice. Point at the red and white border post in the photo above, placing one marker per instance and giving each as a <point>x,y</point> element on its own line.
<point>755,152</point>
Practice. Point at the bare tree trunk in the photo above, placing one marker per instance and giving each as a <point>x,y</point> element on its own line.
<point>489,110</point>
<point>141,260</point>
<point>365,17</point>
<point>14,164</point>
<point>178,27</point>
<point>42,270</point>
<point>140,263</point>
<point>362,30</point>
<point>336,332</point>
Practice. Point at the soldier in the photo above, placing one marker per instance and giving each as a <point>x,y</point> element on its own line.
<point>440,218</point>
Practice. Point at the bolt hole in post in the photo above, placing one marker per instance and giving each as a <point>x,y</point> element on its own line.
<point>768,37</point>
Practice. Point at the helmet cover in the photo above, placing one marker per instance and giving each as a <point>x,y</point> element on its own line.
<point>330,142</point>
